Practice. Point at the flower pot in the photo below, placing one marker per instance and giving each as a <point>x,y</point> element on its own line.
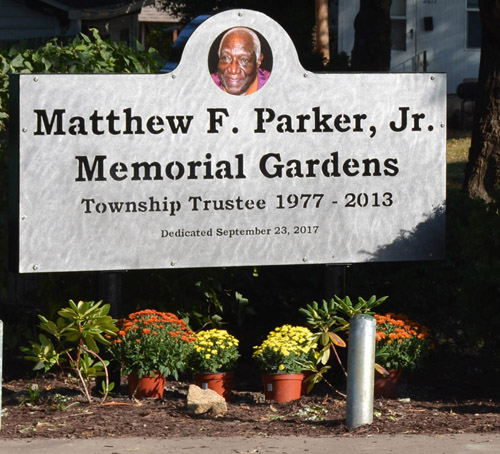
<point>221,382</point>
<point>387,386</point>
<point>144,387</point>
<point>282,387</point>
<point>305,382</point>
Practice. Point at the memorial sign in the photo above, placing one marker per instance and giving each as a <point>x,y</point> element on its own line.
<point>237,157</point>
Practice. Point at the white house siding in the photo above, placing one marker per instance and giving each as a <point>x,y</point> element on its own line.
<point>347,11</point>
<point>445,45</point>
<point>149,13</point>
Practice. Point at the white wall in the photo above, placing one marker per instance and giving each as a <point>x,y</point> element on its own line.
<point>445,44</point>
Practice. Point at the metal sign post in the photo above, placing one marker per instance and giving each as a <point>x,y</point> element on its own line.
<point>360,370</point>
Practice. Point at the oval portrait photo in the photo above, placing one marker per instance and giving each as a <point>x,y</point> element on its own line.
<point>240,61</point>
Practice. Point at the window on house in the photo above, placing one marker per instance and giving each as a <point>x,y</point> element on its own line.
<point>473,25</point>
<point>398,25</point>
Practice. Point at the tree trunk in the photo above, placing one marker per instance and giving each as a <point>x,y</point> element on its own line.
<point>322,30</point>
<point>372,38</point>
<point>483,169</point>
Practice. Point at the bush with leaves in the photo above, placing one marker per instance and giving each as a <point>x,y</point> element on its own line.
<point>84,54</point>
<point>77,332</point>
<point>326,320</point>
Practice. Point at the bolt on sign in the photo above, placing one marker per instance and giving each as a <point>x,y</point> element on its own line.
<point>237,157</point>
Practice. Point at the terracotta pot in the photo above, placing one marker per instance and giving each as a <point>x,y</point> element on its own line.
<point>387,386</point>
<point>282,387</point>
<point>221,382</point>
<point>144,387</point>
<point>305,384</point>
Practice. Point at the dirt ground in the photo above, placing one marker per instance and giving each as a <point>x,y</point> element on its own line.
<point>59,411</point>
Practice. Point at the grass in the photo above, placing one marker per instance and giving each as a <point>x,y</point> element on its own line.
<point>457,154</point>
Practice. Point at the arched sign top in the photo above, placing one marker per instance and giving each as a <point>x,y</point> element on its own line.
<point>246,32</point>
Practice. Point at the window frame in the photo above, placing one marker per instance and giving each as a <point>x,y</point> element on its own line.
<point>468,11</point>
<point>400,18</point>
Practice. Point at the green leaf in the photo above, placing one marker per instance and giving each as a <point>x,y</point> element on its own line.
<point>324,339</point>
<point>325,355</point>
<point>381,370</point>
<point>91,344</point>
<point>39,365</point>
<point>17,61</point>
<point>337,340</point>
<point>49,326</point>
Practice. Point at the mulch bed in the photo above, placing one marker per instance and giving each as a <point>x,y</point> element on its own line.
<point>61,412</point>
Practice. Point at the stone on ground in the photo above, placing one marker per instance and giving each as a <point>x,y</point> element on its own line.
<point>200,401</point>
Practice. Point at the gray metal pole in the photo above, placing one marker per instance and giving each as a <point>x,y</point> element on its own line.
<point>360,370</point>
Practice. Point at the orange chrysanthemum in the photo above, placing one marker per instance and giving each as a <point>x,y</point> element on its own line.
<point>401,342</point>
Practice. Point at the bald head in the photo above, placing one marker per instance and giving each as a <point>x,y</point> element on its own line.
<point>253,35</point>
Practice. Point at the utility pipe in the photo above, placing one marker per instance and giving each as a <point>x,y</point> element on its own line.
<point>360,370</point>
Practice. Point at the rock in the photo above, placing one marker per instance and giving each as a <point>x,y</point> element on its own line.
<point>200,401</point>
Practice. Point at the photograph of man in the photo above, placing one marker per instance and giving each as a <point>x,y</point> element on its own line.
<point>240,58</point>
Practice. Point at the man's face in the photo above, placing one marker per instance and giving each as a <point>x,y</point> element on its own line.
<point>238,64</point>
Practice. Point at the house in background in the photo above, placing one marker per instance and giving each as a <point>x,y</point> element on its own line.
<point>151,17</point>
<point>427,35</point>
<point>40,20</point>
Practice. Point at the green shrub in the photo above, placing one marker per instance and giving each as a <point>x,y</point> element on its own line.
<point>76,333</point>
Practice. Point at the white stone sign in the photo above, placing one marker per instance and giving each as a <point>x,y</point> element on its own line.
<point>237,157</point>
